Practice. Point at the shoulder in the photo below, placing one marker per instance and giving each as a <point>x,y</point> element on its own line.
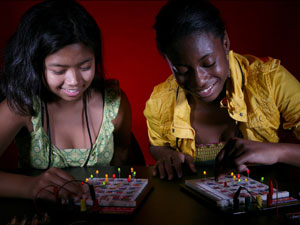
<point>258,66</point>
<point>165,89</point>
<point>116,101</point>
<point>163,93</point>
<point>124,112</point>
<point>162,98</point>
<point>124,103</point>
<point>11,118</point>
<point>260,71</point>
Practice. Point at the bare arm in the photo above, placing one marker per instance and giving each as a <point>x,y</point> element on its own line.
<point>10,124</point>
<point>42,186</point>
<point>20,186</point>
<point>122,133</point>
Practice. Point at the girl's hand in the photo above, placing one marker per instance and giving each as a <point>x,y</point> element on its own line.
<point>238,153</point>
<point>167,160</point>
<point>42,186</point>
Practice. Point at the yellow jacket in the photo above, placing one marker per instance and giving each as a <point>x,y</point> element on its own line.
<point>270,93</point>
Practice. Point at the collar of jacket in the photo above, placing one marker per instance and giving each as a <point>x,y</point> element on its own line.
<point>235,102</point>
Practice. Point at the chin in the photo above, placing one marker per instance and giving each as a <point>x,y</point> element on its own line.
<point>206,99</point>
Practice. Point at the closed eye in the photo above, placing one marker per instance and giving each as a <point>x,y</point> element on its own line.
<point>85,68</point>
<point>59,72</point>
<point>209,65</point>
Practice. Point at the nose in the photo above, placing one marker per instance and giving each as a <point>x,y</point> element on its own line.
<point>72,77</point>
<point>200,77</point>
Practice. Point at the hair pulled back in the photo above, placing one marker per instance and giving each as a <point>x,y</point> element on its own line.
<point>179,18</point>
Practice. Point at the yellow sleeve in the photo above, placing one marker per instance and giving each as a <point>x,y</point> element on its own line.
<point>159,112</point>
<point>155,126</point>
<point>287,98</point>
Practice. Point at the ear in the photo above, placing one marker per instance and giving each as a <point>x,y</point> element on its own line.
<point>226,42</point>
<point>169,62</point>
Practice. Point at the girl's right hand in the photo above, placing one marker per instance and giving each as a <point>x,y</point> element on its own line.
<point>42,186</point>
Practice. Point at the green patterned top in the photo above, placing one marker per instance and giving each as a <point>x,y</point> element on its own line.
<point>34,147</point>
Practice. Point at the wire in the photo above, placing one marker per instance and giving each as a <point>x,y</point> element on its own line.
<point>88,128</point>
<point>36,196</point>
<point>49,131</point>
<point>237,194</point>
<point>59,188</point>
<point>49,135</point>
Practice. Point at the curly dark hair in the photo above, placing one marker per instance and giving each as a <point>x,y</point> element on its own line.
<point>178,18</point>
<point>44,29</point>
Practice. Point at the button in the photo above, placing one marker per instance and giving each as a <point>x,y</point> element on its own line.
<point>241,114</point>
<point>173,130</point>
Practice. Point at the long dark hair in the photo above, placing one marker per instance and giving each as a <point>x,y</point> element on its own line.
<point>44,29</point>
<point>178,18</point>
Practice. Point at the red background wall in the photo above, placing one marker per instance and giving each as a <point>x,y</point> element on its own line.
<point>258,27</point>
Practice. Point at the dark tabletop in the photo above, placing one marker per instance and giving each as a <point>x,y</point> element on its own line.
<point>166,203</point>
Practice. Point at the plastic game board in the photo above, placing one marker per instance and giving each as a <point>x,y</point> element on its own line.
<point>118,192</point>
<point>222,192</point>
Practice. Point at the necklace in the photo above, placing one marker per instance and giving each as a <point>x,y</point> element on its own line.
<point>49,132</point>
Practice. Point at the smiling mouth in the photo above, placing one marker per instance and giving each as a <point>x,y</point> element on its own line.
<point>71,92</point>
<point>204,91</point>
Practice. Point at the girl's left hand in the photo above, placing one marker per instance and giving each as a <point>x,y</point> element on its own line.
<point>238,153</point>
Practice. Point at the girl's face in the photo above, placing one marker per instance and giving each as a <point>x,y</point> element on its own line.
<point>70,71</point>
<point>199,64</point>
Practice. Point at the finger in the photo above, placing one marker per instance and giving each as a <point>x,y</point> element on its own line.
<point>169,168</point>
<point>219,172</point>
<point>242,168</point>
<point>190,162</point>
<point>64,181</point>
<point>154,169</point>
<point>242,160</point>
<point>177,166</point>
<point>161,170</point>
<point>220,176</point>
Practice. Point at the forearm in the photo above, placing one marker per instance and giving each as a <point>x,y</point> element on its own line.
<point>289,154</point>
<point>15,185</point>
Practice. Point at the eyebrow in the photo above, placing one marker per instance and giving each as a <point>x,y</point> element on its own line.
<point>208,54</point>
<point>64,66</point>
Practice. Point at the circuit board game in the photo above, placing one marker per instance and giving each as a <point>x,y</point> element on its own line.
<point>222,191</point>
<point>118,192</point>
